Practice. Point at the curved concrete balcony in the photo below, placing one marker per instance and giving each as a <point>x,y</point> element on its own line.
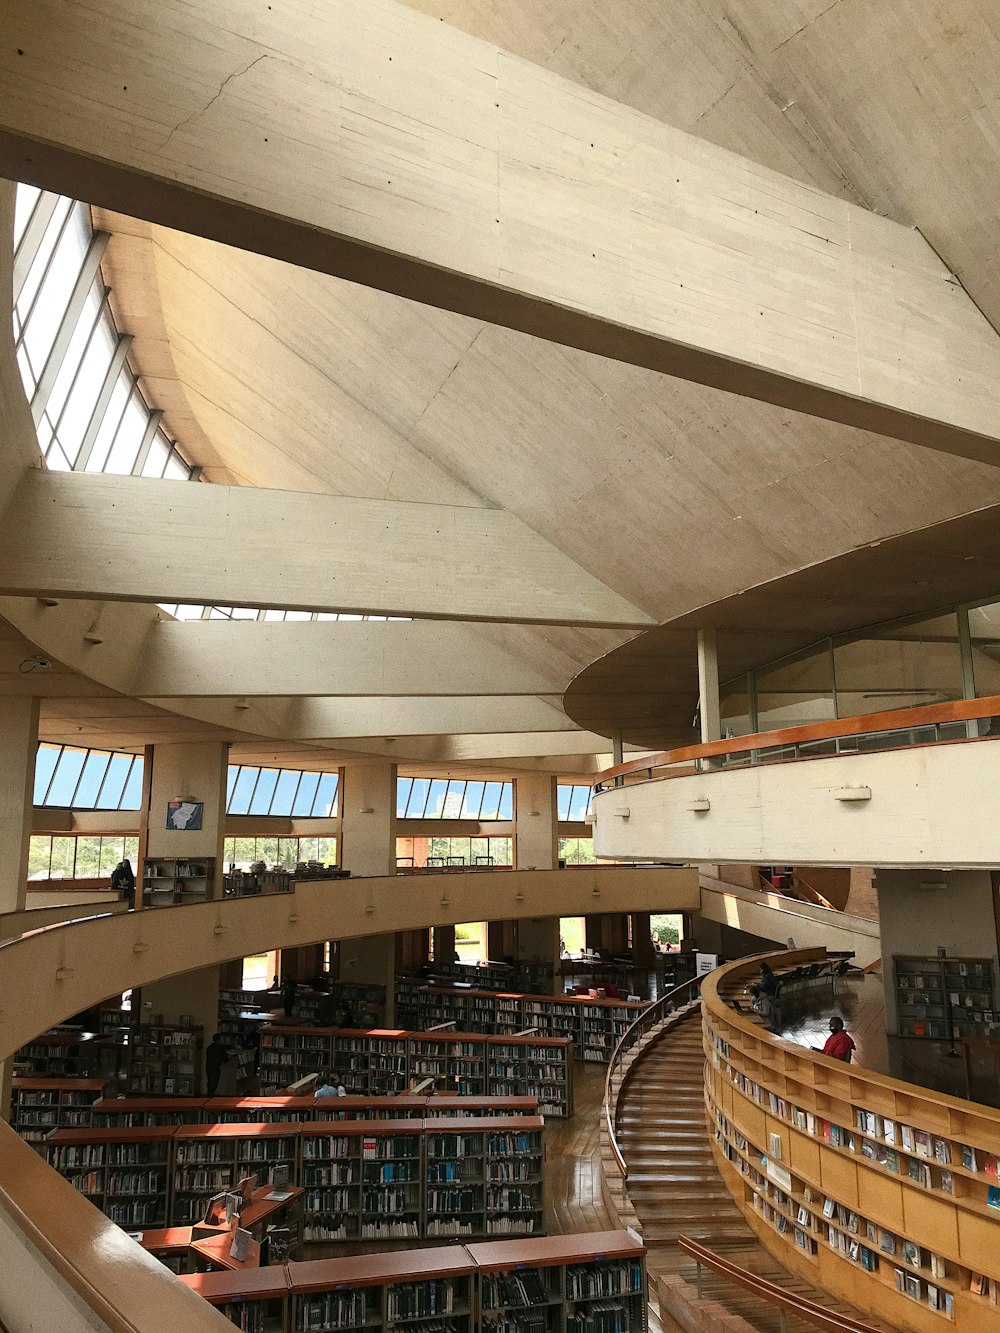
<point>908,788</point>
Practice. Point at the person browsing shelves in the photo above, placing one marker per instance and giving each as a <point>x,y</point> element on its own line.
<point>839,1044</point>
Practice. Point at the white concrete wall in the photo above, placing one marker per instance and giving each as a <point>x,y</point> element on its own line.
<point>930,805</point>
<point>959,918</point>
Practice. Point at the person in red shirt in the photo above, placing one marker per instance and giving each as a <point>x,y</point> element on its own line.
<point>839,1044</point>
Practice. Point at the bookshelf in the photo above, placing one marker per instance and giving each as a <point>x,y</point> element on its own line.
<point>593,1025</point>
<point>882,1192</point>
<point>210,1158</point>
<point>941,998</point>
<point>164,1059</point>
<point>124,1172</point>
<point>40,1105</point>
<point>592,1283</point>
<point>384,1062</point>
<point>169,880</point>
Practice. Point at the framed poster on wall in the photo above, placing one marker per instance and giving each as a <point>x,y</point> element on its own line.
<point>185,816</point>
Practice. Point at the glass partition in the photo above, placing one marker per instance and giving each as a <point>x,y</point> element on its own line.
<point>900,666</point>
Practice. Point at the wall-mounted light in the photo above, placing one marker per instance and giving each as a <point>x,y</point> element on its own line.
<point>445,900</point>
<point>241,704</point>
<point>933,884</point>
<point>140,946</point>
<point>369,909</point>
<point>48,601</point>
<point>63,973</point>
<point>293,916</point>
<point>218,929</point>
<point>519,896</point>
<point>367,810</point>
<point>852,794</point>
<point>622,811</point>
<point>93,635</point>
<point>700,805</point>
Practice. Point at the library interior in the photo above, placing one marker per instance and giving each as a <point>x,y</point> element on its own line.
<point>525,861</point>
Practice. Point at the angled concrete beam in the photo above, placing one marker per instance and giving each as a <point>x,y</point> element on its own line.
<point>380,145</point>
<point>135,539</point>
<point>421,715</point>
<point>369,658</point>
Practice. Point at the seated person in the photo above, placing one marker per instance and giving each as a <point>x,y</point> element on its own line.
<point>839,1044</point>
<point>768,981</point>
<point>329,1085</point>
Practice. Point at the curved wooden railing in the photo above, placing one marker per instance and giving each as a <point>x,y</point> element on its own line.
<point>808,1311</point>
<point>929,718</point>
<point>650,1018</point>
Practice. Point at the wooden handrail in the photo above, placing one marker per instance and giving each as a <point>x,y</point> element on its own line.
<point>769,1291</point>
<point>897,719</point>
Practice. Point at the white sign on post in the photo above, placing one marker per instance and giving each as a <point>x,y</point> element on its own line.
<point>705,963</point>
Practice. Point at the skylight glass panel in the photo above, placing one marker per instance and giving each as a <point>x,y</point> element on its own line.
<point>239,802</point>
<point>306,794</point>
<point>45,765</point>
<point>113,786</point>
<point>490,806</point>
<point>325,802</point>
<point>132,796</point>
<point>260,802</point>
<point>26,198</point>
<point>94,769</point>
<point>284,792</point>
<point>66,776</point>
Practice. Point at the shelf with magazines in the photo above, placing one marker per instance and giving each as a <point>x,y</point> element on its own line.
<point>124,1172</point>
<point>40,1105</point>
<point>941,998</point>
<point>164,1059</point>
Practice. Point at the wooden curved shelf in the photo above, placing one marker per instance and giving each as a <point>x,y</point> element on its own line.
<point>802,1166</point>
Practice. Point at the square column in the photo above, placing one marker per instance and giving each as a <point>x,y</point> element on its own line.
<point>195,769</point>
<point>368,838</point>
<point>536,839</point>
<point>18,744</point>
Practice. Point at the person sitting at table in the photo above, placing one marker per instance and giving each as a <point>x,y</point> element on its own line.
<point>329,1085</point>
<point>839,1044</point>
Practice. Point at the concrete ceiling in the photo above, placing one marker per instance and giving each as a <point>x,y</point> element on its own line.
<point>675,496</point>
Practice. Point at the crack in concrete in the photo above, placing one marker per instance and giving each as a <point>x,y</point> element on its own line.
<point>236,74</point>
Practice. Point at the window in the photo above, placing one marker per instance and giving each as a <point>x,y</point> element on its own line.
<point>201,611</point>
<point>577,851</point>
<point>285,853</point>
<point>572,803</point>
<point>281,791</point>
<point>572,934</point>
<point>454,798</point>
<point>90,413</point>
<point>418,852</point>
<point>470,942</point>
<point>68,856</point>
<point>80,779</point>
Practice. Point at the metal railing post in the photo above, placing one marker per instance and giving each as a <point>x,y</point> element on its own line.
<point>698,1279</point>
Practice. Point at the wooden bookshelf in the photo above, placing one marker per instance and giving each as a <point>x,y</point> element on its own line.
<point>593,1283</point>
<point>882,1192</point>
<point>941,999</point>
<point>593,1025</point>
<point>170,880</point>
<point>379,1061</point>
<point>165,1059</point>
<point>40,1105</point>
<point>124,1172</point>
<point>126,1112</point>
<point>211,1158</point>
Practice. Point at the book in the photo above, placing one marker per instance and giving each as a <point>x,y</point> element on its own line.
<point>993,1196</point>
<point>977,1284</point>
<point>900,1280</point>
<point>937,1266</point>
<point>913,1287</point>
<point>887,1242</point>
<point>969,1158</point>
<point>911,1253</point>
<point>947,1182</point>
<point>942,1152</point>
<point>889,1131</point>
<point>922,1143</point>
<point>906,1137</point>
<point>828,1207</point>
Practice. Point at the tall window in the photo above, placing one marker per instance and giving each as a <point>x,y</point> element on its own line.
<point>89,412</point>
<point>454,798</point>
<point>281,791</point>
<point>79,779</point>
<point>58,856</point>
<point>285,853</point>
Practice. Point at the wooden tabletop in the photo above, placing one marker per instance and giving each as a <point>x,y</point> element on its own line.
<point>367,1270</point>
<point>250,1283</point>
<point>115,1134</point>
<point>216,1250</point>
<point>543,1251</point>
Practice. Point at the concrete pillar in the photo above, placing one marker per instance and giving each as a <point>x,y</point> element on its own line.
<point>18,744</point>
<point>642,941</point>
<point>368,827</point>
<point>617,753</point>
<point>444,944</point>
<point>538,941</point>
<point>196,769</point>
<point>368,847</point>
<point>708,686</point>
<point>536,838</point>
<point>195,994</point>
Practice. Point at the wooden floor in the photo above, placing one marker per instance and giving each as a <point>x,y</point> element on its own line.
<point>676,1189</point>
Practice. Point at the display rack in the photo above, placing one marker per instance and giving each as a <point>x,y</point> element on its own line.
<point>380,1062</point>
<point>940,999</point>
<point>40,1105</point>
<point>170,880</point>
